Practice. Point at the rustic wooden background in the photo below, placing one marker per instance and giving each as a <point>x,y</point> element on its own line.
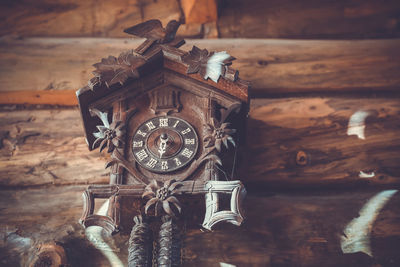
<point>313,65</point>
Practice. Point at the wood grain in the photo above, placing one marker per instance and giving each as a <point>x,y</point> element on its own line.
<point>273,66</point>
<point>72,18</point>
<point>297,229</point>
<point>40,147</point>
<point>344,19</point>
<point>291,141</point>
<point>305,140</point>
<point>245,19</point>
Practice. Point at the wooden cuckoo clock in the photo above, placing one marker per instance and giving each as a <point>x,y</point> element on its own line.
<point>171,122</point>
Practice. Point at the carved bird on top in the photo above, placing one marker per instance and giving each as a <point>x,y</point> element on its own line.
<point>153,31</point>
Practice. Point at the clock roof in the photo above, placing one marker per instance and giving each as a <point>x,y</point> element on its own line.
<point>160,51</point>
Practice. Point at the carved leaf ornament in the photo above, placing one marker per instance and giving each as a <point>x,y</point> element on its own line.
<point>112,70</point>
<point>209,65</point>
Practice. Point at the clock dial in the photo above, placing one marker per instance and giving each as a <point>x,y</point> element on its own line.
<point>164,144</point>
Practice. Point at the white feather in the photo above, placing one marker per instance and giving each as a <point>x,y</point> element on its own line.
<point>357,124</point>
<point>356,236</point>
<point>104,119</point>
<point>215,64</point>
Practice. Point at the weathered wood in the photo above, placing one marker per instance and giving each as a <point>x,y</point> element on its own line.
<point>348,19</point>
<point>71,18</point>
<point>291,141</point>
<point>306,140</point>
<point>245,19</point>
<point>199,11</point>
<point>296,229</point>
<point>273,66</point>
<point>46,147</point>
<point>40,97</point>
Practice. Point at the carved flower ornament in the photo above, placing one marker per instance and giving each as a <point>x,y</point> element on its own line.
<point>218,134</point>
<point>209,65</point>
<point>162,196</point>
<point>109,135</point>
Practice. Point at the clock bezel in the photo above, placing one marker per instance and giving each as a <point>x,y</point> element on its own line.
<point>151,154</point>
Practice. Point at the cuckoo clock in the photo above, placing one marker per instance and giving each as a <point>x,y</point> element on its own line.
<point>172,122</point>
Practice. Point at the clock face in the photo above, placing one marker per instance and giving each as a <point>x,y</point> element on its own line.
<point>164,144</point>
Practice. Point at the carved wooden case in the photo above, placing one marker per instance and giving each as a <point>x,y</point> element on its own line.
<point>172,122</point>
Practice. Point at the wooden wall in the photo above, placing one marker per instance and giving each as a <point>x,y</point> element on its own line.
<point>323,130</point>
<point>306,19</point>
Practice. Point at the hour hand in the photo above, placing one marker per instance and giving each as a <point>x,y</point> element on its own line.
<point>163,144</point>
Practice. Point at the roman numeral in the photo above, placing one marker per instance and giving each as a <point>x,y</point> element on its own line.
<point>185,131</point>
<point>164,165</point>
<point>187,153</point>
<point>177,162</point>
<point>141,133</point>
<point>151,163</point>
<point>150,125</point>
<point>164,122</point>
<point>189,141</point>
<point>137,144</point>
<point>176,124</point>
<point>141,155</point>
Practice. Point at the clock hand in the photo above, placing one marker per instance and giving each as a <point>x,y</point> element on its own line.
<point>163,144</point>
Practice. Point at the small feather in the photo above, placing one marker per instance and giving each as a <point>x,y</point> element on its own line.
<point>230,131</point>
<point>176,202</point>
<point>96,141</point>
<point>102,128</point>
<point>167,208</point>
<point>104,118</point>
<point>103,144</point>
<point>232,141</point>
<point>225,140</point>
<point>110,146</point>
<point>218,145</point>
<point>98,135</point>
<point>175,185</point>
<point>157,208</point>
<point>150,203</point>
<point>168,183</point>
<point>110,163</point>
<point>148,194</point>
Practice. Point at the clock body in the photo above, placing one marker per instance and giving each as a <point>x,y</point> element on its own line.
<point>165,135</point>
<point>163,117</point>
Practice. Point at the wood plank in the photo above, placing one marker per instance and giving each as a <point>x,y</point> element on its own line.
<point>203,11</point>
<point>291,142</point>
<point>246,19</point>
<point>272,66</point>
<point>39,97</point>
<point>307,140</point>
<point>72,18</point>
<point>344,19</point>
<point>280,230</point>
<point>41,147</point>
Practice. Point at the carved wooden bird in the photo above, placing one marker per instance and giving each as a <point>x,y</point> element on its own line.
<point>153,30</point>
